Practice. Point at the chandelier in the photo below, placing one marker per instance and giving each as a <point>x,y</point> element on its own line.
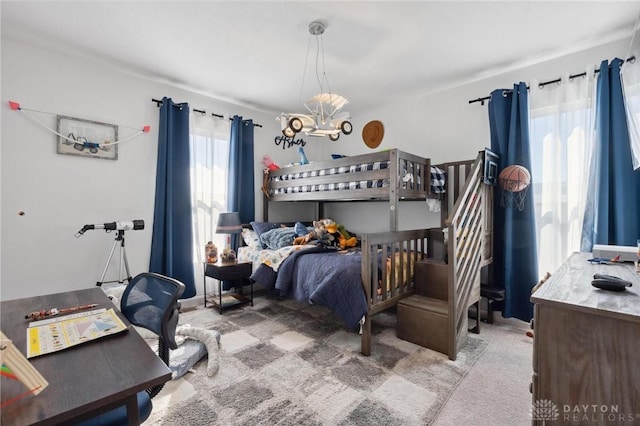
<point>325,116</point>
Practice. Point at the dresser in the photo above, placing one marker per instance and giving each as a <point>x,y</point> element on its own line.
<point>586,351</point>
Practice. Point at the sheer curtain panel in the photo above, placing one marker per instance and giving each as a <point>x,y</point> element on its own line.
<point>209,139</point>
<point>630,76</point>
<point>561,131</point>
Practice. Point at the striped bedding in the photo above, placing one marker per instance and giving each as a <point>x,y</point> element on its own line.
<point>438,178</point>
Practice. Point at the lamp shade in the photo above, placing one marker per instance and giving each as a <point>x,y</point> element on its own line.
<point>229,223</point>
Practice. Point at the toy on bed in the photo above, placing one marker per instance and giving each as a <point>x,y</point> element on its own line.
<point>303,156</point>
<point>268,163</point>
<point>325,232</point>
<point>320,233</point>
<point>339,236</point>
<point>303,235</point>
<point>346,240</point>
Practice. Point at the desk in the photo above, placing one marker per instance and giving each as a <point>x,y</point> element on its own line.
<point>84,380</point>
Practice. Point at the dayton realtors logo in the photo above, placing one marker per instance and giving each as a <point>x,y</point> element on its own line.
<point>600,414</point>
<point>545,410</point>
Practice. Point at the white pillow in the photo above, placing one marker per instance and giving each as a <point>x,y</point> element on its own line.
<point>250,238</point>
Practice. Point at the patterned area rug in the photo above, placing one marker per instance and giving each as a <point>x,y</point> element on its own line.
<point>287,363</point>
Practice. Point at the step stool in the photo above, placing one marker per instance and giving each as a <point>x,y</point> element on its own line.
<point>425,322</point>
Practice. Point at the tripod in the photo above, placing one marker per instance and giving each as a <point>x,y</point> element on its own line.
<point>123,261</point>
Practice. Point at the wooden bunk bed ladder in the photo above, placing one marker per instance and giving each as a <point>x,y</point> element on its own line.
<point>466,254</point>
<point>436,316</point>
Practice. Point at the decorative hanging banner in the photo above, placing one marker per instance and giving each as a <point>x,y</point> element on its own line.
<point>287,142</point>
<point>83,137</point>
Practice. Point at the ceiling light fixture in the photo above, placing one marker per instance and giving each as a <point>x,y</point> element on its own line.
<point>325,117</point>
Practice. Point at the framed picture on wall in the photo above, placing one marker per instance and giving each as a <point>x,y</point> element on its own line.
<point>86,138</point>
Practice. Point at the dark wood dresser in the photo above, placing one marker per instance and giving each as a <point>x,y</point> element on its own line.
<point>586,352</point>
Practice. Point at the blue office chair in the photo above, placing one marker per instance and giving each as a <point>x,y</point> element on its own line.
<point>150,301</point>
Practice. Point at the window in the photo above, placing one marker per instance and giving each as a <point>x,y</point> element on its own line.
<point>209,139</point>
<point>560,130</point>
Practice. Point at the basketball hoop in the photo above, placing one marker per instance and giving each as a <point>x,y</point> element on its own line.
<point>514,180</point>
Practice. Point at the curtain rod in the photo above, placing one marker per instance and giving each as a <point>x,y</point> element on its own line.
<point>158,103</point>
<point>632,59</point>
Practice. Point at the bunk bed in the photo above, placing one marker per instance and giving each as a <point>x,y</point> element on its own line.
<point>385,261</point>
<point>390,175</point>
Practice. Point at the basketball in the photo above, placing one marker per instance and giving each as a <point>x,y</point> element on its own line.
<point>514,178</point>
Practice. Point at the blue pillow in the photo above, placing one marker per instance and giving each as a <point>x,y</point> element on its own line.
<point>262,227</point>
<point>278,238</point>
<point>300,229</point>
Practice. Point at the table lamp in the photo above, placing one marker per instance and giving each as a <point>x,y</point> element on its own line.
<point>229,223</point>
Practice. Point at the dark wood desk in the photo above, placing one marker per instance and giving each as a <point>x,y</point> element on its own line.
<point>84,380</point>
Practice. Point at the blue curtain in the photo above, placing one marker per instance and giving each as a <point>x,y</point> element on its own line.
<point>515,259</point>
<point>172,239</point>
<point>241,192</point>
<point>612,213</point>
<point>240,189</point>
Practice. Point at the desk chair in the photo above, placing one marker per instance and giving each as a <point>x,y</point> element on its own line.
<point>150,301</point>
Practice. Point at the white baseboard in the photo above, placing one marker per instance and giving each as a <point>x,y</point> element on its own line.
<point>193,302</point>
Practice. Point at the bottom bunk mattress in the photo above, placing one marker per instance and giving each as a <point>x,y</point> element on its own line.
<point>320,276</point>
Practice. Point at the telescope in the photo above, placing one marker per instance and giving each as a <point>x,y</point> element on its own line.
<point>113,226</point>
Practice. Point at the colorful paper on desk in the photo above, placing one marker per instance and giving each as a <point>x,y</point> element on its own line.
<point>56,334</point>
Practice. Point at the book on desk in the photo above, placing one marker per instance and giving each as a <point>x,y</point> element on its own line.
<point>59,333</point>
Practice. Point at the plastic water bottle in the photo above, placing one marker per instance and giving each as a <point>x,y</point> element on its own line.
<point>303,157</point>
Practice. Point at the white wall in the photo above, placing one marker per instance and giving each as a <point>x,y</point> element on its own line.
<point>445,127</point>
<point>59,194</point>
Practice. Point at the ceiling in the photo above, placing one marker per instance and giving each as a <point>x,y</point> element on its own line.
<point>254,53</point>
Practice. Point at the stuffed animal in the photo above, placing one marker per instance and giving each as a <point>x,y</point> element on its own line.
<point>268,163</point>
<point>320,234</point>
<point>333,236</point>
<point>304,239</point>
<point>322,229</point>
<point>211,340</point>
<point>328,233</point>
<point>303,236</point>
<point>345,239</point>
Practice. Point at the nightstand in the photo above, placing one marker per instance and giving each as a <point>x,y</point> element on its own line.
<point>227,272</point>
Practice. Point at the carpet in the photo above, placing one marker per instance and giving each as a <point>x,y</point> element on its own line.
<point>288,363</point>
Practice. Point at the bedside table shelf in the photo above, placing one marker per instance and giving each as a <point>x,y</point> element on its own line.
<point>227,272</point>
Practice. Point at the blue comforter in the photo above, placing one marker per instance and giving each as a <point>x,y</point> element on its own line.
<point>321,276</point>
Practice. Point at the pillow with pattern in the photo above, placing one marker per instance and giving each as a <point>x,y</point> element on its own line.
<point>250,238</point>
